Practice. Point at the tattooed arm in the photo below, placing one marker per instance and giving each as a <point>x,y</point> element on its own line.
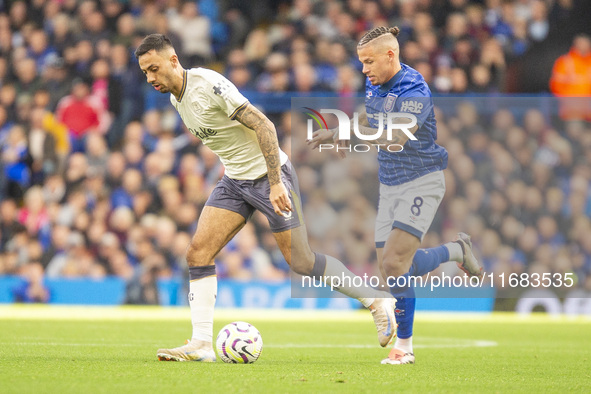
<point>254,119</point>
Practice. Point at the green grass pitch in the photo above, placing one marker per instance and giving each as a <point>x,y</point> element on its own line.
<point>47,349</point>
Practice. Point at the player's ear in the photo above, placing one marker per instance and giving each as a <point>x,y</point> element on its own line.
<point>391,55</point>
<point>174,60</point>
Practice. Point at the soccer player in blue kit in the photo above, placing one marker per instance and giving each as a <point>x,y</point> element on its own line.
<point>411,179</point>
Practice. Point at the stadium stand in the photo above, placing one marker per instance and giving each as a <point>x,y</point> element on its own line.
<point>118,191</point>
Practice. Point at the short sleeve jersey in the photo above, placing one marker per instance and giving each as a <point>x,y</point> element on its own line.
<point>208,105</point>
<point>407,92</point>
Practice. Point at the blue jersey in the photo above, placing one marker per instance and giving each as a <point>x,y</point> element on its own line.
<point>408,92</point>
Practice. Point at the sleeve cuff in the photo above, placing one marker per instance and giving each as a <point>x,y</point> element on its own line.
<point>233,114</point>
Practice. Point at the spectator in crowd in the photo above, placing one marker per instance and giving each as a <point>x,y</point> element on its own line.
<point>39,49</point>
<point>28,80</point>
<point>61,35</point>
<point>571,77</point>
<point>194,31</point>
<point>125,30</point>
<point>538,25</point>
<point>128,107</point>
<point>34,214</point>
<point>42,147</point>
<point>33,289</point>
<point>106,91</point>
<point>57,81</point>
<point>81,113</point>
<point>14,153</point>
<point>142,288</point>
<point>5,125</point>
<point>8,221</point>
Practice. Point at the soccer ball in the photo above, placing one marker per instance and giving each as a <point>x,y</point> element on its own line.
<point>239,343</point>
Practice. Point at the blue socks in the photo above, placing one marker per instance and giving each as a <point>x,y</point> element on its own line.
<point>405,314</point>
<point>424,260</point>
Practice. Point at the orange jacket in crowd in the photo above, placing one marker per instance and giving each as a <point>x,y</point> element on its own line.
<point>571,77</point>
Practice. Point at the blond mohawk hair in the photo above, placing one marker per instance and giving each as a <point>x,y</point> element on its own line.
<point>378,32</point>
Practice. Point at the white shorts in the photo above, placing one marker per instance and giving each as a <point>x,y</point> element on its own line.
<point>410,206</point>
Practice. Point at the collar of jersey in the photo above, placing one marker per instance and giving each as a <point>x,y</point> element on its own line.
<point>184,86</point>
<point>385,88</point>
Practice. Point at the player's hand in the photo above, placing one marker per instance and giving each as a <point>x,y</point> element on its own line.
<point>322,136</point>
<point>328,137</point>
<point>279,197</point>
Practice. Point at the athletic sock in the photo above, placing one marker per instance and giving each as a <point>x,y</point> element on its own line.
<point>328,267</point>
<point>405,313</point>
<point>404,344</point>
<point>456,253</point>
<point>426,260</point>
<point>405,305</point>
<point>202,294</point>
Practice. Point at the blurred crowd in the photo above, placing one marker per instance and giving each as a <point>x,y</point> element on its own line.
<point>518,181</point>
<point>98,176</point>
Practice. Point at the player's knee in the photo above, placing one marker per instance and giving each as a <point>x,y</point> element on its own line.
<point>383,271</point>
<point>302,262</point>
<point>395,265</point>
<point>197,255</point>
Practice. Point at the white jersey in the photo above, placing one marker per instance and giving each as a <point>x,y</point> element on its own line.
<point>209,102</point>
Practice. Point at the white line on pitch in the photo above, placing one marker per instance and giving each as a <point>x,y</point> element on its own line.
<point>355,346</point>
<point>463,344</point>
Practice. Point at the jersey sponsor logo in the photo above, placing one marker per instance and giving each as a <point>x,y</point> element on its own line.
<point>389,102</point>
<point>203,132</point>
<point>411,106</point>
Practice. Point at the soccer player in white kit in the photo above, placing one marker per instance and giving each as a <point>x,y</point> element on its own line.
<point>258,176</point>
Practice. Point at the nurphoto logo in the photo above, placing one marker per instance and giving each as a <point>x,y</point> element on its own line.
<point>394,121</point>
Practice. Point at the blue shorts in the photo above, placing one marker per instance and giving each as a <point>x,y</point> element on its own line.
<point>244,196</point>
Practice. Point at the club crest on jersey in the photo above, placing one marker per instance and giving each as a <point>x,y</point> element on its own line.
<point>389,103</point>
<point>198,109</point>
<point>369,94</point>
